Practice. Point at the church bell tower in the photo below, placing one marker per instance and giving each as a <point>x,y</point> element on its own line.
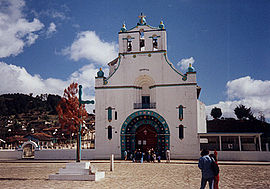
<point>142,37</point>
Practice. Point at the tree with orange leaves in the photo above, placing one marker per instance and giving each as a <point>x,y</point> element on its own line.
<point>70,113</point>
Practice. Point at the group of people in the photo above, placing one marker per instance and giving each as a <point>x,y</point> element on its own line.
<point>209,168</point>
<point>139,156</point>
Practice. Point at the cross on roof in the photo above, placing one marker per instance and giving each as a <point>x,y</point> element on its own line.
<point>142,16</point>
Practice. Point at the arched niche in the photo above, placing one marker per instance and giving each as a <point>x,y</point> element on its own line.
<point>144,92</point>
<point>28,148</point>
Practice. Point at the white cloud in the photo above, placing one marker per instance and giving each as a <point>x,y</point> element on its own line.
<point>57,14</point>
<point>19,80</point>
<point>77,26</point>
<point>15,30</point>
<point>15,79</point>
<point>184,63</point>
<point>89,46</point>
<point>51,29</point>
<point>31,38</point>
<point>249,92</point>
<point>248,87</point>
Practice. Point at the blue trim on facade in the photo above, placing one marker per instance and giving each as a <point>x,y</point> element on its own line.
<point>163,131</point>
<point>145,112</point>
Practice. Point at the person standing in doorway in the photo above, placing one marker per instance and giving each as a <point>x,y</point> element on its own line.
<point>125,154</point>
<point>151,152</point>
<point>205,166</point>
<point>134,156</point>
<point>142,154</point>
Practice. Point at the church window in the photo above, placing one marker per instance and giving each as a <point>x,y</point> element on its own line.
<point>115,115</point>
<point>109,114</point>
<point>181,112</point>
<point>145,101</point>
<point>181,132</point>
<point>109,132</point>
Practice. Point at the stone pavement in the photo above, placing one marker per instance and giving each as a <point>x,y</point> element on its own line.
<point>177,174</point>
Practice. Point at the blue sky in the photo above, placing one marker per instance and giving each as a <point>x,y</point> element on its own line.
<point>45,45</point>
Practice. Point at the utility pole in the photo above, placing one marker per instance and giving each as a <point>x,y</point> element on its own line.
<point>79,135</point>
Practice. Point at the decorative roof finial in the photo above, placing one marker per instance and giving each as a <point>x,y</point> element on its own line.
<point>100,73</point>
<point>161,25</point>
<point>142,20</point>
<point>190,68</point>
<point>124,29</point>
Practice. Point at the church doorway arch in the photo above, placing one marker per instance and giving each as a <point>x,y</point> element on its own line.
<point>144,130</point>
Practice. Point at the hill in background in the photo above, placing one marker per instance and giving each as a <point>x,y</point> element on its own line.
<point>12,104</point>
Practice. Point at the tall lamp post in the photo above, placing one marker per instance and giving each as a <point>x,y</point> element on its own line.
<point>79,136</point>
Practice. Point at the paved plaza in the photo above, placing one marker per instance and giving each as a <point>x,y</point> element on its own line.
<point>178,174</point>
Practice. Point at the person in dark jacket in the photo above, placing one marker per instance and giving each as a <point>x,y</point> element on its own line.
<point>205,166</point>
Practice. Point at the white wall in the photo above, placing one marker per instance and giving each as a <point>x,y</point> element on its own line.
<point>10,154</point>
<point>201,117</point>
<point>69,154</point>
<point>54,154</point>
<point>243,155</point>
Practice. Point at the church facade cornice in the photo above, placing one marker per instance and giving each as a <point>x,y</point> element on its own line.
<point>152,30</point>
<point>142,52</point>
<point>153,86</point>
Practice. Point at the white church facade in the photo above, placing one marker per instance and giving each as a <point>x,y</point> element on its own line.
<point>145,102</point>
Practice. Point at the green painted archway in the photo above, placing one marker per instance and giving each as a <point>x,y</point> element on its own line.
<point>144,117</point>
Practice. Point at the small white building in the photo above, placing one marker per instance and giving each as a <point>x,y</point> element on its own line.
<point>145,102</point>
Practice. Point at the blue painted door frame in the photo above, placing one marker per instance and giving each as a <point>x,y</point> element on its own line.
<point>139,118</point>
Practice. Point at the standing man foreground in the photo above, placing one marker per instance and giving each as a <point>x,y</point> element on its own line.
<point>205,166</point>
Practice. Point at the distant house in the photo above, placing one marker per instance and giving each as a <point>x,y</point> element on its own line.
<point>236,135</point>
